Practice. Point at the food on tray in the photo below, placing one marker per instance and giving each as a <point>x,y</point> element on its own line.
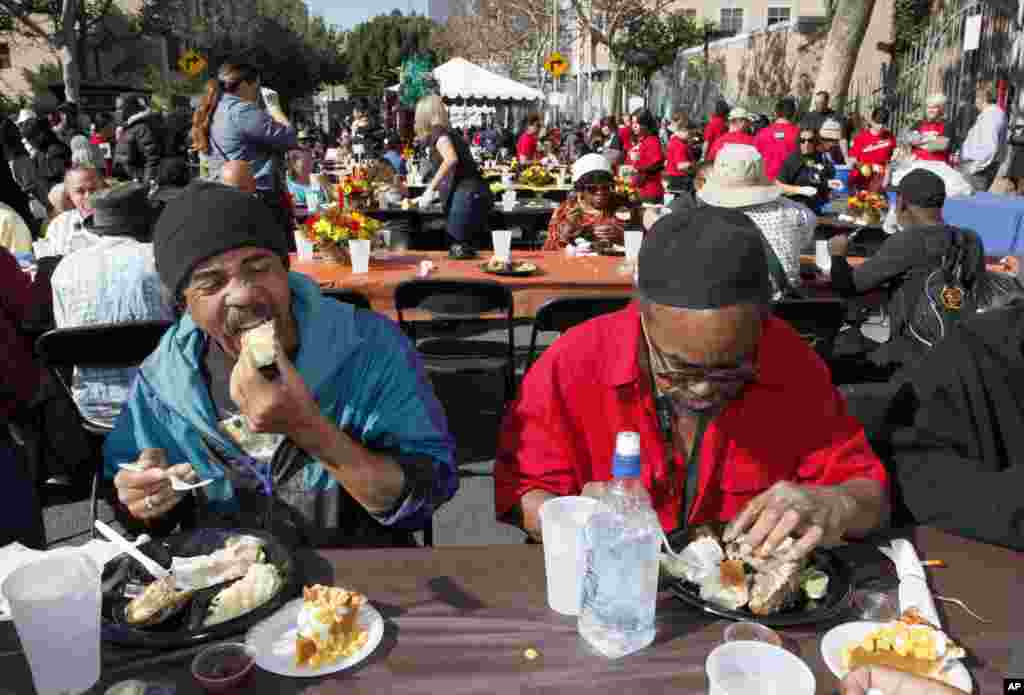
<point>908,644</point>
<point>258,586</point>
<point>328,628</point>
<point>230,562</point>
<point>261,344</point>
<point>157,601</point>
<point>735,577</point>
<point>499,264</point>
<point>259,445</point>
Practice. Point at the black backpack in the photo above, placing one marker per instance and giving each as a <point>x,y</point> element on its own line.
<point>949,293</point>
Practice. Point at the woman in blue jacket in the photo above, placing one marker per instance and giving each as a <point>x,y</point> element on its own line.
<point>230,124</point>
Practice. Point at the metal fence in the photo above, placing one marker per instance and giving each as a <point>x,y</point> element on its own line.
<point>966,43</point>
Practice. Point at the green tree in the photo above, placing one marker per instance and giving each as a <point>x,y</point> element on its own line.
<point>375,50</point>
<point>71,25</point>
<point>653,42</point>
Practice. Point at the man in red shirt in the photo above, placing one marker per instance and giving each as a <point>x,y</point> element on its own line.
<point>709,379</point>
<point>779,140</point>
<point>716,127</point>
<point>739,133</point>
<point>932,139</point>
<point>526,148</point>
<point>870,153</point>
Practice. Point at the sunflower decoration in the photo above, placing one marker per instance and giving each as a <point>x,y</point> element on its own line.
<point>536,175</point>
<point>332,229</point>
<point>869,205</point>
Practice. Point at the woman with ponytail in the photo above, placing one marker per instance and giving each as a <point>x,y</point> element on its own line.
<point>230,124</point>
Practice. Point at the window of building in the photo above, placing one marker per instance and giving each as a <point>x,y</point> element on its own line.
<point>732,20</point>
<point>5,56</point>
<point>778,14</point>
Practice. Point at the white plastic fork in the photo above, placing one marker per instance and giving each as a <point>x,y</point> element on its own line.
<point>177,484</point>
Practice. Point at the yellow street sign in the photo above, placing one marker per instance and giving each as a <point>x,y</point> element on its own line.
<point>192,64</point>
<point>556,64</point>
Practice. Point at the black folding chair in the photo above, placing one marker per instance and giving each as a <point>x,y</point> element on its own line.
<point>562,313</point>
<point>115,345</point>
<point>817,320</point>
<point>454,307</point>
<point>357,299</point>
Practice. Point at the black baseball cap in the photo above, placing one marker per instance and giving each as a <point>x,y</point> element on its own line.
<point>707,258</point>
<point>922,189</point>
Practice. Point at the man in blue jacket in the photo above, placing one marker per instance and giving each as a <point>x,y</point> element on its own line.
<point>346,442</point>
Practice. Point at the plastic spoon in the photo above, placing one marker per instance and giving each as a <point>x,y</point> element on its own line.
<point>126,546</point>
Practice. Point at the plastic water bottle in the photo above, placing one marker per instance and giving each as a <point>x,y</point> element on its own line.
<point>620,581</point>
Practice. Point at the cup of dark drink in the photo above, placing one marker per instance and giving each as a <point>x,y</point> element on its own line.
<point>224,668</point>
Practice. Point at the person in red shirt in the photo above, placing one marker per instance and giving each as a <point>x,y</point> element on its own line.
<point>626,133</point>
<point>647,158</point>
<point>678,162</point>
<point>706,375</point>
<point>932,139</point>
<point>870,153</point>
<point>103,137</point>
<point>779,140</point>
<point>739,133</point>
<point>526,148</point>
<point>717,126</point>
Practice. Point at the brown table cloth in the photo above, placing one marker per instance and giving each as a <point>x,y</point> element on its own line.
<point>458,620</point>
<point>558,276</point>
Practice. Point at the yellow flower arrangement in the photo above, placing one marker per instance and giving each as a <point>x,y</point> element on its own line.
<point>337,226</point>
<point>867,201</point>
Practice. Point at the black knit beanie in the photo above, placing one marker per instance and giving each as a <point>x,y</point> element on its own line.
<point>208,219</point>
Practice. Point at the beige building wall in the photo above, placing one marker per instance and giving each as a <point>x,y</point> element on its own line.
<point>766,64</point>
<point>755,13</point>
<point>23,52</point>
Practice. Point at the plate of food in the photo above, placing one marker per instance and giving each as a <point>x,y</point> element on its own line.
<point>325,631</point>
<point>497,266</point>
<point>222,582</point>
<point>728,580</point>
<point>906,644</point>
<point>611,249</point>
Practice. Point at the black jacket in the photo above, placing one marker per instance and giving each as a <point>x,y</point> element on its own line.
<point>902,265</point>
<point>140,148</point>
<point>957,446</point>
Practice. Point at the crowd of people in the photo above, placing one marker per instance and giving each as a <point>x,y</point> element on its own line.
<point>697,364</point>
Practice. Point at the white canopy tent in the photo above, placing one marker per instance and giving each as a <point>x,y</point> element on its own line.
<point>461,80</point>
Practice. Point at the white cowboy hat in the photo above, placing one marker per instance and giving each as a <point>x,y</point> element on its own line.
<point>739,113</point>
<point>590,163</point>
<point>831,129</point>
<point>737,179</point>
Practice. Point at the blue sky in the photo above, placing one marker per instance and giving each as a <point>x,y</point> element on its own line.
<point>347,13</point>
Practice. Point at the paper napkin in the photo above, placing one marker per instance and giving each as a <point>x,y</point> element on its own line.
<point>913,589</point>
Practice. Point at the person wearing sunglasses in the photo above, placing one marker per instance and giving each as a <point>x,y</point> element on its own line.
<point>807,175</point>
<point>737,415</point>
<point>590,211</point>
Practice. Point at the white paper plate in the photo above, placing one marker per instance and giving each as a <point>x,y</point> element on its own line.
<point>274,642</point>
<point>850,633</point>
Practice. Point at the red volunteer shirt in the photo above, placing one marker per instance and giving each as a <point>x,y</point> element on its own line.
<point>939,128</point>
<point>560,433</point>
<point>678,152</point>
<point>716,128</point>
<point>738,138</point>
<point>644,154</point>
<point>776,143</point>
<point>869,148</point>
<point>527,146</point>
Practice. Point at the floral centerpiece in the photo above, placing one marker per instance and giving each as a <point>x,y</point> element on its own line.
<point>355,190</point>
<point>624,187</point>
<point>867,207</point>
<point>332,229</point>
<point>536,175</point>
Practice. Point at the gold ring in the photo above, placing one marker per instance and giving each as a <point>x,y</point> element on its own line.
<point>148,502</point>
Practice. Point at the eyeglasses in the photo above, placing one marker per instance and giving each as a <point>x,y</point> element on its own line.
<point>671,379</point>
<point>597,188</point>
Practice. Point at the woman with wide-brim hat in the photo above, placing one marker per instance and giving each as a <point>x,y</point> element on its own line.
<point>590,211</point>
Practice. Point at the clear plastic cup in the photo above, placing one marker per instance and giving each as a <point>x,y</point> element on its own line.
<point>876,605</point>
<point>502,242</point>
<point>55,603</point>
<point>741,668</point>
<point>303,246</point>
<point>561,523</point>
<point>822,256</point>
<point>634,239</point>
<point>359,249</point>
